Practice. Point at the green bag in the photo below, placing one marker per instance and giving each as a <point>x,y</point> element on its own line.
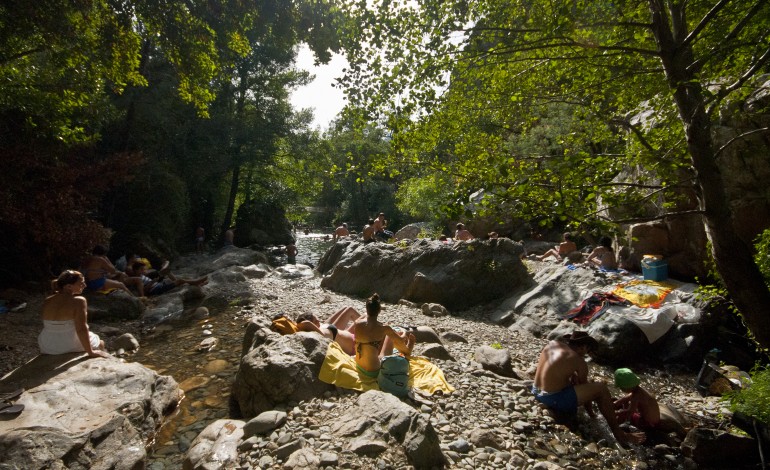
<point>394,375</point>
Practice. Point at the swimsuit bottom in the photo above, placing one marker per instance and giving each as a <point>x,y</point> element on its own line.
<point>334,331</point>
<point>96,284</point>
<point>563,401</point>
<point>372,374</point>
<point>641,423</point>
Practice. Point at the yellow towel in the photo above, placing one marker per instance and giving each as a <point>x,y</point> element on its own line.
<point>106,290</point>
<point>340,369</point>
<point>644,293</point>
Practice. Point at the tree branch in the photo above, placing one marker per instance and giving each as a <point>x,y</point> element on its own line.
<point>730,36</point>
<point>703,23</point>
<point>739,137</point>
<point>723,92</point>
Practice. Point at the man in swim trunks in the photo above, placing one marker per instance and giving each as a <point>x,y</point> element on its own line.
<point>561,382</point>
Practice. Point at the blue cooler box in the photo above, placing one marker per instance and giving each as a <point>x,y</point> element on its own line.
<point>654,269</point>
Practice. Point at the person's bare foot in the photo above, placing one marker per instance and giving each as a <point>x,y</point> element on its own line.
<point>200,282</point>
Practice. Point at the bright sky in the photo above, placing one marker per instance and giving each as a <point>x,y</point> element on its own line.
<point>319,94</point>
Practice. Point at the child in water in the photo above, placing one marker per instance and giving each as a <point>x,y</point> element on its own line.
<point>638,405</point>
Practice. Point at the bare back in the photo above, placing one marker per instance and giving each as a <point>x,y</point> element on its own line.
<point>60,307</point>
<point>558,367</point>
<point>95,267</point>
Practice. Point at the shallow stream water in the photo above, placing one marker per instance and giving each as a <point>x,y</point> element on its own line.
<point>205,377</point>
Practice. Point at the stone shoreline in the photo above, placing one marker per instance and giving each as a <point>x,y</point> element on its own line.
<point>490,421</point>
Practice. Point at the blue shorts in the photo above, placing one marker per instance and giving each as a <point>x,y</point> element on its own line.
<point>563,401</point>
<point>96,284</point>
<point>161,287</point>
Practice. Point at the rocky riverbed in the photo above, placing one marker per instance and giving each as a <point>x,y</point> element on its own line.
<point>490,421</point>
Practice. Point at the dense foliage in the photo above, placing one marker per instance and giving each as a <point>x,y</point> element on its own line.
<point>574,112</point>
<point>146,117</point>
<point>754,401</point>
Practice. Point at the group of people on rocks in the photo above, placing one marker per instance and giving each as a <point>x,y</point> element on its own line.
<point>374,230</point>
<point>364,337</point>
<point>561,381</point>
<point>137,277</point>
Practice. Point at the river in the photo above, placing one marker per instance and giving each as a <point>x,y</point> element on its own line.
<point>205,377</point>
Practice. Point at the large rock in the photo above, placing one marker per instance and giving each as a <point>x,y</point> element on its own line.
<point>277,369</point>
<point>262,223</point>
<point>380,416</point>
<point>681,241</point>
<point>558,289</point>
<point>719,449</point>
<point>412,230</point>
<point>456,275</point>
<point>117,305</point>
<point>78,413</point>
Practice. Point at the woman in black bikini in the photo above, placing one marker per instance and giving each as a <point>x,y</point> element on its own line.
<point>339,327</point>
<point>373,340</point>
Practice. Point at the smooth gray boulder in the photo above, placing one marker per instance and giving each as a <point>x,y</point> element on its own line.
<point>84,413</point>
<point>216,447</point>
<point>456,275</point>
<point>380,417</point>
<point>681,327</point>
<point>277,369</point>
<point>117,305</point>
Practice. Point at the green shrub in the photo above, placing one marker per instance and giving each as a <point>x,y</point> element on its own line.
<point>755,400</point>
<point>496,346</point>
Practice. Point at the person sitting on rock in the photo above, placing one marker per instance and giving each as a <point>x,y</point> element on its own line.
<point>339,327</point>
<point>374,340</point>
<point>341,231</point>
<point>603,256</point>
<point>638,405</point>
<point>561,382</point>
<point>100,273</point>
<point>379,225</point>
<point>153,287</point>
<point>462,234</point>
<point>368,233</point>
<point>65,320</point>
<point>564,248</point>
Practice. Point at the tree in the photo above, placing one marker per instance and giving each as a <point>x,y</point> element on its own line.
<point>474,71</point>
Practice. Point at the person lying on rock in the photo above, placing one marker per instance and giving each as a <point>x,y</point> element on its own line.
<point>153,287</point>
<point>65,320</point>
<point>374,340</point>
<point>603,256</point>
<point>100,273</point>
<point>561,382</point>
<point>339,327</point>
<point>564,248</point>
<point>638,405</point>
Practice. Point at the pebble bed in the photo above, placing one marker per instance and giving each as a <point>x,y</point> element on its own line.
<point>516,432</point>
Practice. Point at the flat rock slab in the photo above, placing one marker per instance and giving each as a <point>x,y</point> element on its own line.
<point>83,413</point>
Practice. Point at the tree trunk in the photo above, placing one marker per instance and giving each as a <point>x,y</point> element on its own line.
<point>734,259</point>
<point>234,182</point>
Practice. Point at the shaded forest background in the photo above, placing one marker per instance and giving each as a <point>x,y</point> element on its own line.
<point>134,122</point>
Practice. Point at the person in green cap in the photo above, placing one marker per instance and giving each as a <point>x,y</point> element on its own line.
<point>638,405</point>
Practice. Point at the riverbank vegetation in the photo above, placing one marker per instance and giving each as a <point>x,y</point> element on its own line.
<point>137,122</point>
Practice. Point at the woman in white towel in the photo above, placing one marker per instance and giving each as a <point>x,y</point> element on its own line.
<point>65,326</point>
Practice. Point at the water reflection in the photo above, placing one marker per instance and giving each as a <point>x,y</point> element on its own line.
<point>205,377</point>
